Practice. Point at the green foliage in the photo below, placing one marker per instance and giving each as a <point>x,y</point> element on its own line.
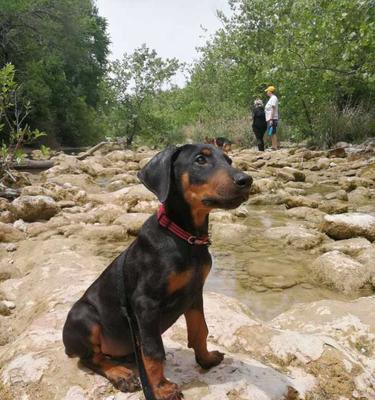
<point>319,54</point>
<point>134,89</point>
<point>14,110</point>
<point>59,49</point>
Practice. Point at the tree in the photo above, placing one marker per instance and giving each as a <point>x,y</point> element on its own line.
<point>135,83</point>
<point>59,49</point>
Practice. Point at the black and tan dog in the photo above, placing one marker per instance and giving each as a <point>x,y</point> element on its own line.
<point>164,272</point>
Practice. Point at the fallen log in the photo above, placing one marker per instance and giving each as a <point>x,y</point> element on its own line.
<point>33,164</point>
<point>89,152</point>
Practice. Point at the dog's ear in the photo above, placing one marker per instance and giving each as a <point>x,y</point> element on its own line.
<point>156,174</point>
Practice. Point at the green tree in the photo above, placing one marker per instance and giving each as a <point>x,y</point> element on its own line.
<point>59,49</point>
<point>135,84</point>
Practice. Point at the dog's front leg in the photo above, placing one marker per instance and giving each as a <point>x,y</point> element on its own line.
<point>197,336</point>
<point>153,353</point>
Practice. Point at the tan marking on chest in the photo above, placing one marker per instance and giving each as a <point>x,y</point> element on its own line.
<point>177,281</point>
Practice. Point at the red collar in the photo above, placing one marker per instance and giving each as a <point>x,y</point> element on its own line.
<point>165,222</point>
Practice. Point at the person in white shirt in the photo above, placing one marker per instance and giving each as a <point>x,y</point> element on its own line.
<point>272,115</point>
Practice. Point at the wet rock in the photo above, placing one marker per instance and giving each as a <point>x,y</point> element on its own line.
<point>279,282</point>
<point>339,195</point>
<point>340,271</point>
<point>296,236</point>
<point>346,226</point>
<point>8,233</point>
<point>300,201</point>
<point>350,183</point>
<point>306,213</point>
<point>228,233</point>
<point>333,207</point>
<point>132,222</point>
<point>352,247</point>
<point>33,208</point>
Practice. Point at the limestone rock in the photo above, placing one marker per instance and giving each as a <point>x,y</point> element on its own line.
<point>349,225</point>
<point>10,234</point>
<point>33,208</point>
<point>352,247</point>
<point>132,222</point>
<point>296,236</point>
<point>341,271</point>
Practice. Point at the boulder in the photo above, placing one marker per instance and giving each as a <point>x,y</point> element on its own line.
<point>340,271</point>
<point>34,208</point>
<point>9,234</point>
<point>349,225</point>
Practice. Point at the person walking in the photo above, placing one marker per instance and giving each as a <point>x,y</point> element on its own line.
<point>259,124</point>
<point>272,115</point>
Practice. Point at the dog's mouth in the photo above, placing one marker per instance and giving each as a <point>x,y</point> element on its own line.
<point>226,202</point>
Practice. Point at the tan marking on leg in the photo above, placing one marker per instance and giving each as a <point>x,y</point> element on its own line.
<point>161,386</point>
<point>178,281</point>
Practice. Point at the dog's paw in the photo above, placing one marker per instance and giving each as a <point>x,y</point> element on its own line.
<point>127,384</point>
<point>212,359</point>
<point>168,391</point>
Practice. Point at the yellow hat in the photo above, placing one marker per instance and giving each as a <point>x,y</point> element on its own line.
<point>270,89</point>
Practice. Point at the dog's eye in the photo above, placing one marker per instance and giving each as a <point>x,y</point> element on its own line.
<point>200,159</point>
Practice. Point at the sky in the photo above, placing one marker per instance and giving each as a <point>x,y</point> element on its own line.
<point>172,27</point>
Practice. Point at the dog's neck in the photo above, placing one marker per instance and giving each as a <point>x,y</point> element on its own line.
<point>182,214</point>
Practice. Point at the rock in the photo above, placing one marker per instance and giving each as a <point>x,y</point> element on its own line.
<point>300,201</point>
<point>333,207</point>
<point>4,309</point>
<point>264,185</point>
<point>296,236</point>
<point>306,213</point>
<point>9,234</point>
<point>298,176</point>
<point>132,222</point>
<point>81,181</point>
<point>368,172</point>
<point>339,194</point>
<point>350,183</point>
<point>33,208</point>
<point>228,233</point>
<point>349,225</point>
<point>7,217</point>
<point>11,247</point>
<point>121,155</point>
<point>351,247</point>
<point>340,271</point>
<point>279,281</point>
<point>222,216</point>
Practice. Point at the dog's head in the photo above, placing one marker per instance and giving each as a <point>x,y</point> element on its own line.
<point>201,174</point>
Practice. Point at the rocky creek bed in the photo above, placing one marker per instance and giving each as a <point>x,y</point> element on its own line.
<point>290,299</point>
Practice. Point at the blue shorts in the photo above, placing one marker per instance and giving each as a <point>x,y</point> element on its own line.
<point>274,126</point>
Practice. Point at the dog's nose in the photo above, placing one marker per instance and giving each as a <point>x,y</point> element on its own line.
<point>242,179</point>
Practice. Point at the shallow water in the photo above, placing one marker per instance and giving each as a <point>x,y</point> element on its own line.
<point>268,276</point>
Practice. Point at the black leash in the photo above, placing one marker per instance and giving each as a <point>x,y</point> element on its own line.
<point>127,312</point>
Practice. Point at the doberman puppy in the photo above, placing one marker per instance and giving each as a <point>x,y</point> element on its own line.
<point>164,273</point>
